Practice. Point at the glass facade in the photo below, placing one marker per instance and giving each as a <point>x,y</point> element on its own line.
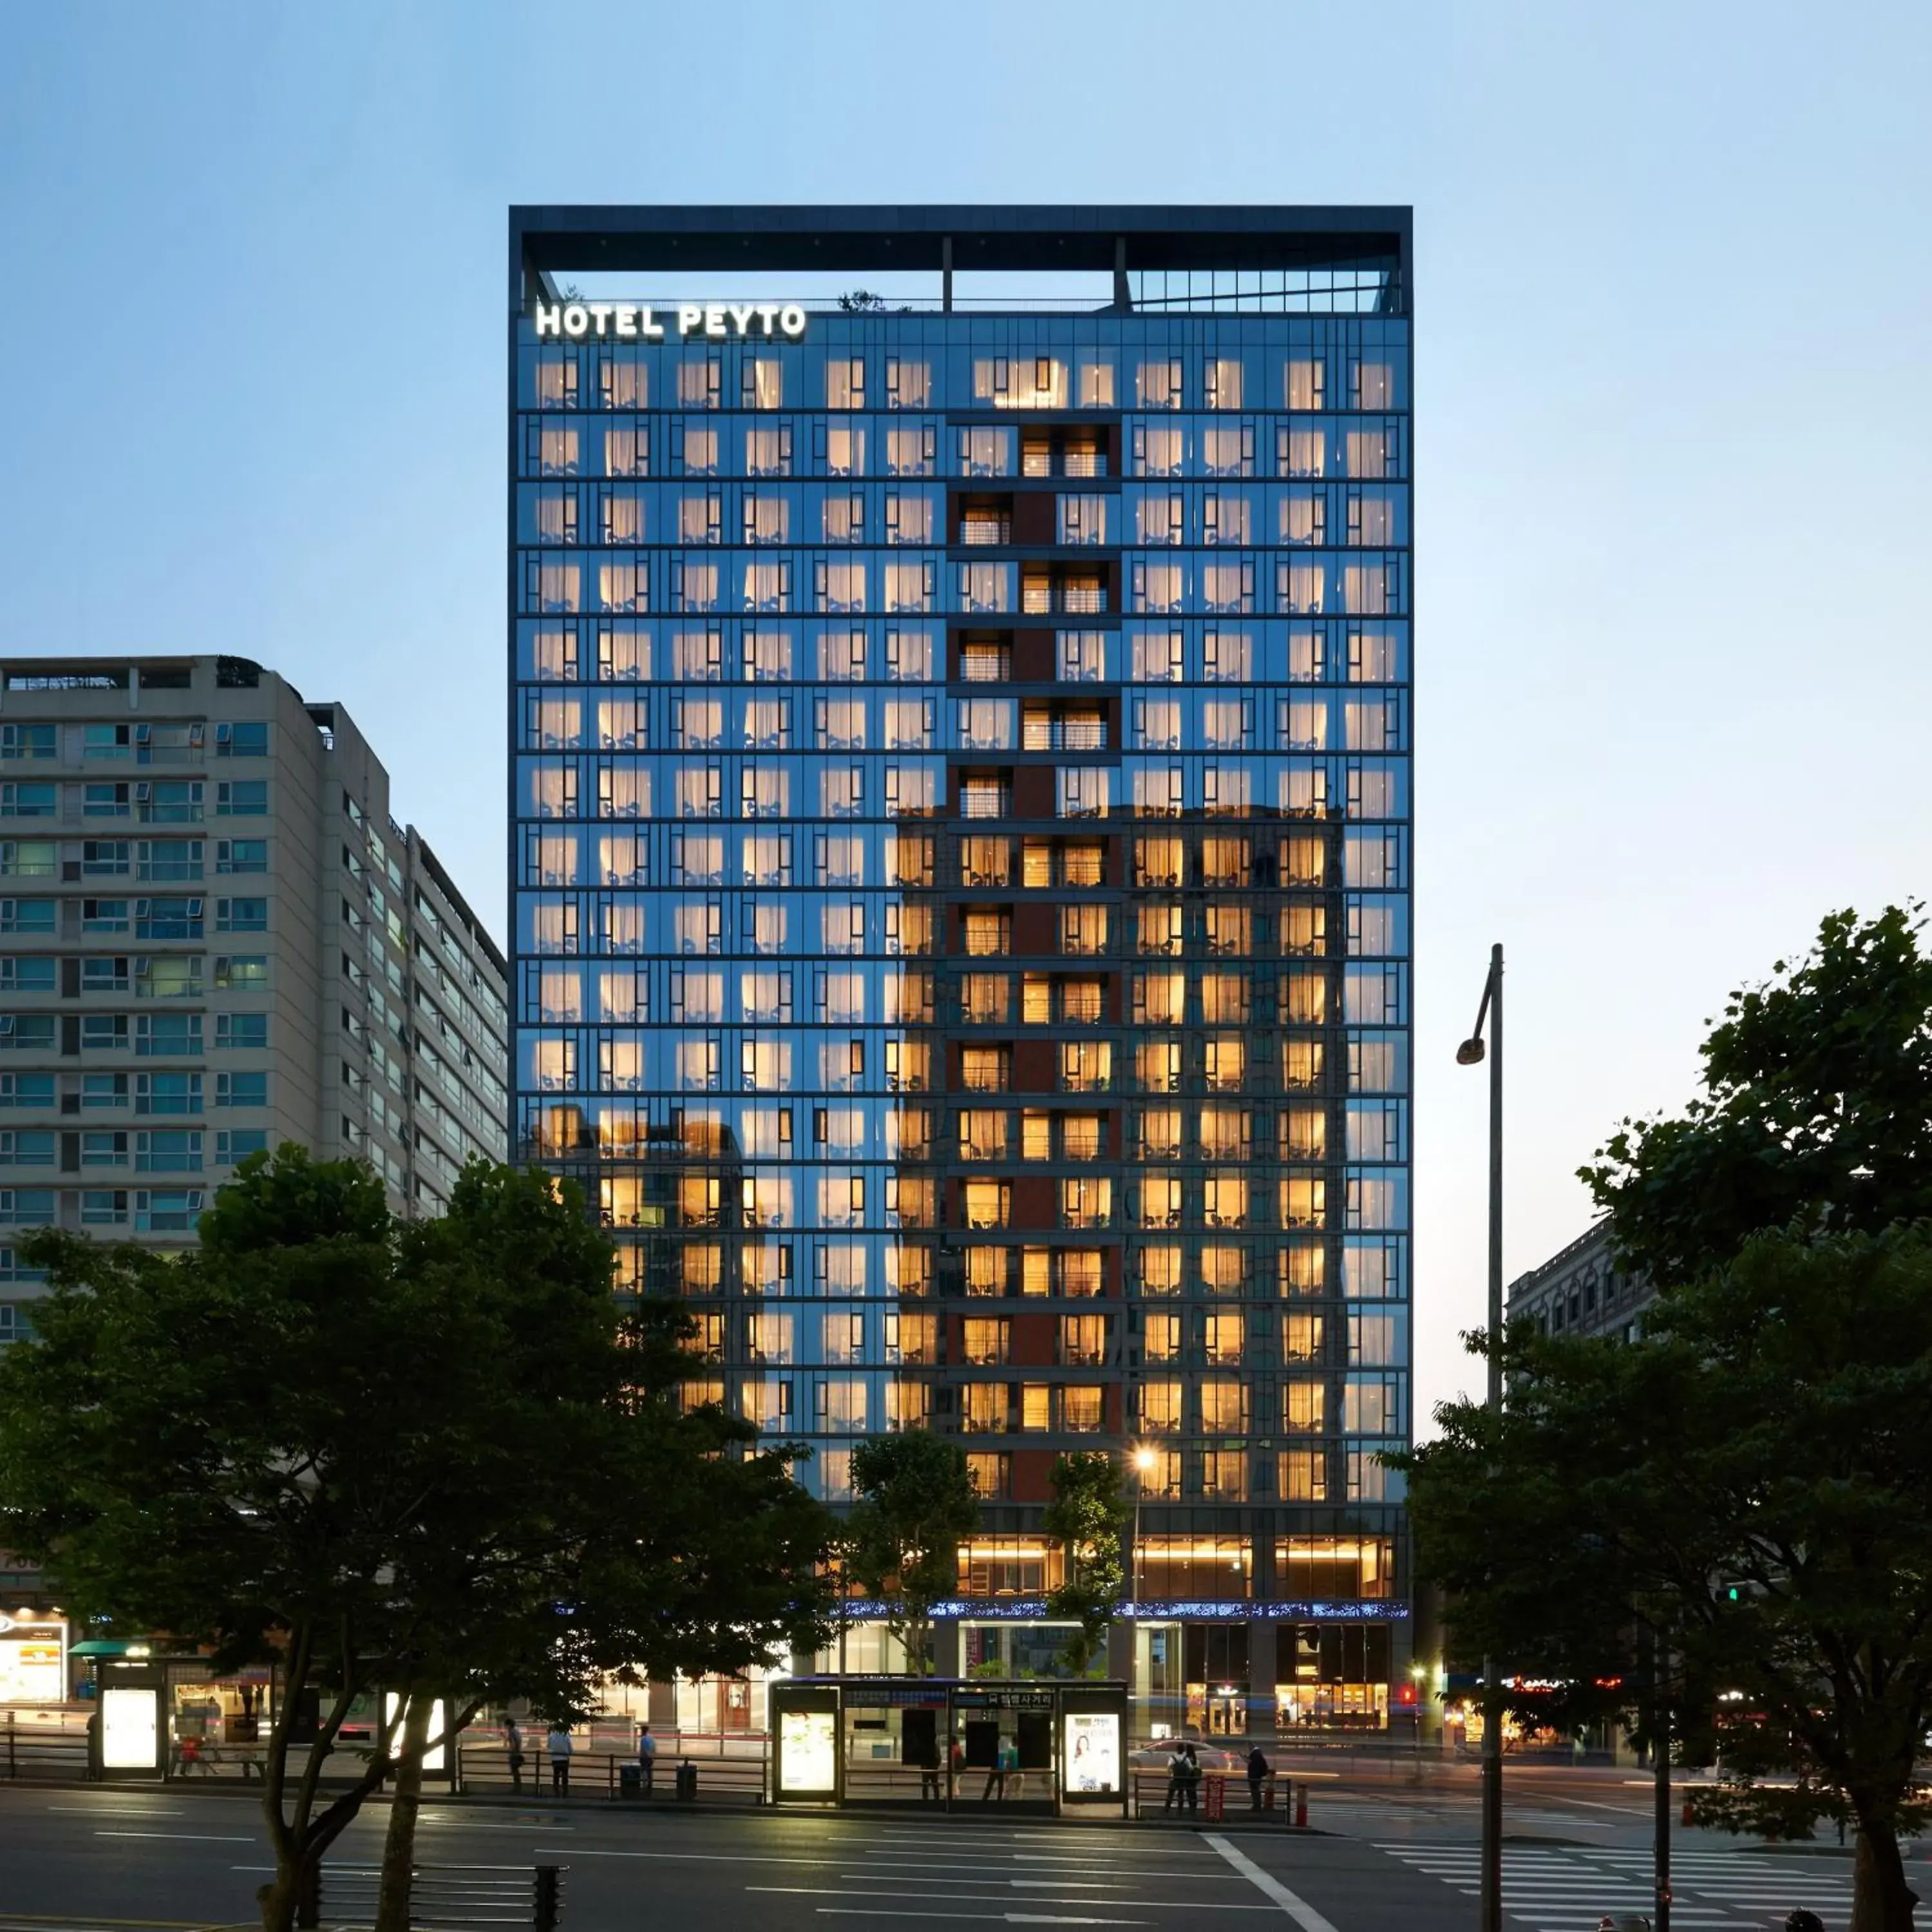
<point>962,885</point>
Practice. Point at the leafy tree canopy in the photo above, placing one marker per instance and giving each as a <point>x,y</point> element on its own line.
<point>427,1457</point>
<point>1816,1110</point>
<point>1756,1480</point>
<point>916,1501</point>
<point>1089,1517</point>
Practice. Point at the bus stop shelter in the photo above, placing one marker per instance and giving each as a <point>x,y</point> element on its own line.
<point>1038,1744</point>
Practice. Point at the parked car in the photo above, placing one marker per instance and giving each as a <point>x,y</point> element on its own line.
<point>1211,1757</point>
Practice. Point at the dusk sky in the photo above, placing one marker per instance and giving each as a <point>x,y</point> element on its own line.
<point>1671,577</point>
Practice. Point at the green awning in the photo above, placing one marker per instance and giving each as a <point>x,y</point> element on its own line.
<point>95,1646</point>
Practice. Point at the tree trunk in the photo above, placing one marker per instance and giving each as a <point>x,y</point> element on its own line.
<point>282,1900</point>
<point>399,1845</point>
<point>1881,1901</point>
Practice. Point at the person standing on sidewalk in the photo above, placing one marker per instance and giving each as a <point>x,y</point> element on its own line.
<point>513,1750</point>
<point>559,1745</point>
<point>647,1756</point>
<point>1258,1771</point>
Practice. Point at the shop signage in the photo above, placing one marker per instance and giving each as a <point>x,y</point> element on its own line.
<point>638,322</point>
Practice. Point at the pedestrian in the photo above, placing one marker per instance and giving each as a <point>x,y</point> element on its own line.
<point>1258,1771</point>
<point>996,1777</point>
<point>955,1763</point>
<point>559,1745</point>
<point>1010,1753</point>
<point>513,1751</point>
<point>1190,1776</point>
<point>647,1756</point>
<point>1176,1777</point>
<point>929,1772</point>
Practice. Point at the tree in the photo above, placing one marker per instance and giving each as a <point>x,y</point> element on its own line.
<point>1813,1110</point>
<point>916,1500</point>
<point>1756,1478</point>
<point>1089,1517</point>
<point>407,1458</point>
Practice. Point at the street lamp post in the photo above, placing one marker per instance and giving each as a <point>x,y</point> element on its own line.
<point>1470,1053</point>
<point>1140,1460</point>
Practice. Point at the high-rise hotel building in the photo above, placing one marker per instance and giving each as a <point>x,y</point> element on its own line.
<point>960,859</point>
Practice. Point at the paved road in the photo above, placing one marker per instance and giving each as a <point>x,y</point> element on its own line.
<point>1387,1856</point>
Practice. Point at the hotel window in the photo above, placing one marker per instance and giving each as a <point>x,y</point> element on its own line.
<point>1157,862</point>
<point>1229,450</point>
<point>1159,452</point>
<point>1084,791</point>
<point>1208,1569</point>
<point>1301,452</point>
<point>1225,1200</point>
<point>1158,587</point>
<point>556,451</point>
<point>908,518</point>
<point>1160,999</point>
<point>763,382</point>
<point>1086,1065</point>
<point>914,452</point>
<point>1223,1338</point>
<point>768,451</point>
<point>1083,929</point>
<point>767,518</point>
<point>1304,384</point>
<point>1096,385</point>
<point>982,1134</point>
<point>1224,1065</point>
<point>1301,587</point>
<point>556,381</point>
<point>1082,656</point>
<point>985,1341</point>
<point>1304,1133</point>
<point>1157,384</point>
<point>627,451</point>
<point>1158,930</point>
<point>1301,1338</point>
<point>1334,1569</point>
<point>1161,519</point>
<point>624,384</point>
<point>1083,1410</point>
<point>841,656</point>
<point>1304,930</point>
<point>1083,519</point>
<point>909,655</point>
<point>1160,1407</point>
<point>908,383</point>
<point>1160,1338</point>
<point>1224,1406</point>
<point>700,382</point>
<point>839,586</point>
<point>623,518</point>
<point>1304,1201</point>
<point>1155,657</point>
<point>984,1000</point>
<point>845,450</point>
<point>1304,1406</point>
<point>1371,386</point>
<point>845,383</point>
<point>1224,385</point>
<point>1158,1270</point>
<point>1303,1268</point>
<point>1086,1201</point>
<point>1370,454</point>
<point>693,449</point>
<point>1302,1475</point>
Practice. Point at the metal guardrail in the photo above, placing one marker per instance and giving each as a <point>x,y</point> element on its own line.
<point>42,1750</point>
<point>449,1898</point>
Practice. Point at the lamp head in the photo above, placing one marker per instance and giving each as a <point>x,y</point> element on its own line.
<point>1143,1460</point>
<point>1469,1053</point>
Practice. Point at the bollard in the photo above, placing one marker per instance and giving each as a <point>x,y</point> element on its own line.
<point>1301,1803</point>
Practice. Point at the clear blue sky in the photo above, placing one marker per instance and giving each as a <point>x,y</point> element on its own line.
<point>1673,642</point>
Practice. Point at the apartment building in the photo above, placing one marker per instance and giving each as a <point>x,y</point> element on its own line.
<point>213,937</point>
<point>960,853</point>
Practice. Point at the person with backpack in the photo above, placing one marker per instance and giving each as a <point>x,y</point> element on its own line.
<point>513,1751</point>
<point>1258,1771</point>
<point>1190,1776</point>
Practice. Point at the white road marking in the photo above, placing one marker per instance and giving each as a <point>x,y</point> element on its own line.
<point>997,1898</point>
<point>116,1811</point>
<point>1299,1909</point>
<point>198,1838</point>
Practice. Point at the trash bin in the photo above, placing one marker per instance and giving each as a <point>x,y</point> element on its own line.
<point>687,1782</point>
<point>630,1780</point>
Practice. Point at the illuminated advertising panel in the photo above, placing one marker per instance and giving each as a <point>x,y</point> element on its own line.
<point>1090,1754</point>
<point>809,1752</point>
<point>130,1728</point>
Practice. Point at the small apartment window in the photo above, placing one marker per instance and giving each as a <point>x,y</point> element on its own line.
<point>241,855</point>
<point>244,740</point>
<point>241,798</point>
<point>239,1030</point>
<point>233,1144</point>
<point>242,915</point>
